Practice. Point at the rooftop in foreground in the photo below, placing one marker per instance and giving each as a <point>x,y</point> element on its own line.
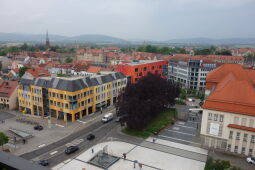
<point>151,159</point>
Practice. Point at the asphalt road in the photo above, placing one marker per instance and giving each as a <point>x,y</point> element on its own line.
<point>57,155</point>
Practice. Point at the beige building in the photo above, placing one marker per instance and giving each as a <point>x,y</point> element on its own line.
<point>94,55</point>
<point>228,121</point>
<point>8,94</point>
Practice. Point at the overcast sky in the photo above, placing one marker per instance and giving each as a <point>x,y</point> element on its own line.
<point>131,19</point>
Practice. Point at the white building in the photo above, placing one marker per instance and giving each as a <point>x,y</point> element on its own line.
<point>228,121</point>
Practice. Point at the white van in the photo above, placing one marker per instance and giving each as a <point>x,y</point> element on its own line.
<point>107,117</point>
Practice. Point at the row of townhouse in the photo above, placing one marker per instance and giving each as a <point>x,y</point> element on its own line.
<point>228,120</point>
<point>69,99</point>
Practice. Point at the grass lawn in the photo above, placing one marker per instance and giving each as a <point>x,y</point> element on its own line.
<point>160,122</point>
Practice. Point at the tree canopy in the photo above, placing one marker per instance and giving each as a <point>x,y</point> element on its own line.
<point>223,52</point>
<point>22,71</point>
<point>144,100</point>
<point>69,60</point>
<point>3,139</point>
<point>161,50</point>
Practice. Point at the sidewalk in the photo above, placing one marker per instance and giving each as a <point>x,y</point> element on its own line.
<point>235,160</point>
<point>48,135</point>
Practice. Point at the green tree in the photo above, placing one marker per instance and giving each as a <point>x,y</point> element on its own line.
<point>183,94</point>
<point>69,60</point>
<point>143,101</point>
<point>22,71</point>
<point>3,139</point>
<point>223,52</point>
<point>1,65</point>
<point>216,164</point>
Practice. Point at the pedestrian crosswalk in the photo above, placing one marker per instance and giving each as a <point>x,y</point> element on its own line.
<point>74,142</point>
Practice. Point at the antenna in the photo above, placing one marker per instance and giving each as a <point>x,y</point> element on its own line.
<point>47,39</point>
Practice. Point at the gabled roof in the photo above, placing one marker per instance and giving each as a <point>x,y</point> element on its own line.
<point>93,69</point>
<point>7,88</point>
<point>38,72</point>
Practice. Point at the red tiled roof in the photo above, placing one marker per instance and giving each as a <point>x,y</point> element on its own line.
<point>232,90</point>
<point>237,70</point>
<point>94,69</point>
<point>241,127</point>
<point>7,88</point>
<point>38,72</point>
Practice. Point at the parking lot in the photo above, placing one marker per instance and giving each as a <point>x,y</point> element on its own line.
<point>185,131</point>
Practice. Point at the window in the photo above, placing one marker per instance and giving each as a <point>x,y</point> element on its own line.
<point>210,116</point>
<point>144,69</point>
<point>236,149</point>
<point>252,138</point>
<point>243,123</point>
<point>250,152</point>
<point>53,94</point>
<point>152,67</point>
<point>229,147</point>
<point>215,117</point>
<point>243,150</point>
<point>245,137</point>
<point>238,136</point>
<point>221,118</point>
<point>251,122</point>
<point>236,120</point>
<point>230,135</point>
<point>136,69</point>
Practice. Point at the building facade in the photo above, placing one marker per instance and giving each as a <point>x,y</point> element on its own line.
<point>69,99</point>
<point>8,94</point>
<point>139,68</point>
<point>228,120</point>
<point>189,73</point>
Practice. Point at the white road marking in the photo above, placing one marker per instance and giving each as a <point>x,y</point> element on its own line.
<point>81,121</point>
<point>52,153</point>
<point>181,123</point>
<point>192,121</point>
<point>60,125</point>
<point>66,161</point>
<point>186,127</point>
<point>42,145</point>
<point>176,128</point>
<point>179,139</point>
<point>180,132</point>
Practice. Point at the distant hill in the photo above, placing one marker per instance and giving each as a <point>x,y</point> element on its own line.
<point>20,37</point>
<point>230,41</point>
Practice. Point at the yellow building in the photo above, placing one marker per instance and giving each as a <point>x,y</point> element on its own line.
<point>69,99</point>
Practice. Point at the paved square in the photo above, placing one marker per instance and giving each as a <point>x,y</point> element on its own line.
<point>150,158</point>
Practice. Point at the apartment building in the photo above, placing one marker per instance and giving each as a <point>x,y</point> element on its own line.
<point>139,68</point>
<point>228,120</point>
<point>8,94</point>
<point>190,73</point>
<point>69,99</point>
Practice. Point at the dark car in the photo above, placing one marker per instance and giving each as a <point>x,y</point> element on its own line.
<point>90,137</point>
<point>38,127</point>
<point>43,162</point>
<point>71,149</point>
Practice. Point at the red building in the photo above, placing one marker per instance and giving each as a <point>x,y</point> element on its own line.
<point>139,68</point>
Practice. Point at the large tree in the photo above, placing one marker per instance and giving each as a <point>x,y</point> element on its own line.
<point>144,100</point>
<point>3,139</point>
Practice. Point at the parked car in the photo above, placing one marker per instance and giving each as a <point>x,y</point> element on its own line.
<point>71,149</point>
<point>117,119</point>
<point>43,162</point>
<point>107,117</point>
<point>38,127</point>
<point>190,99</point>
<point>90,137</point>
<point>250,160</point>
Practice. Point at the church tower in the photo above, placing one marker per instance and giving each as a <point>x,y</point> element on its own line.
<point>47,39</point>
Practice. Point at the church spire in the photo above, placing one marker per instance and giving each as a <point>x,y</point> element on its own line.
<point>47,39</point>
